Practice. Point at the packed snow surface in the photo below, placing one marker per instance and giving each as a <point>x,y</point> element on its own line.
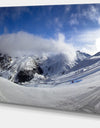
<point>64,85</point>
<point>82,95</point>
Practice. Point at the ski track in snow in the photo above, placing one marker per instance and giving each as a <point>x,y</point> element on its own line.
<point>82,96</point>
<point>56,91</point>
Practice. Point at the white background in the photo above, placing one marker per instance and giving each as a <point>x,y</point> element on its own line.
<point>13,116</point>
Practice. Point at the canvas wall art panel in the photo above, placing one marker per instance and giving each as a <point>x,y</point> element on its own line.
<point>50,56</point>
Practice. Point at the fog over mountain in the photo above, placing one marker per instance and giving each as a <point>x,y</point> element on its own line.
<point>23,43</point>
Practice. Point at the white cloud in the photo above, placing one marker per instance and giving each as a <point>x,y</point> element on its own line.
<point>24,43</point>
<point>74,19</point>
<point>90,49</point>
<point>87,41</point>
<point>98,44</point>
<point>67,9</point>
<point>91,12</point>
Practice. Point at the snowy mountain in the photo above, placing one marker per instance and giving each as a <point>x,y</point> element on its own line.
<point>78,89</point>
<point>86,62</point>
<point>97,54</point>
<point>26,68</point>
<point>19,69</point>
<point>59,64</point>
<point>81,55</point>
<point>56,65</point>
<point>5,61</point>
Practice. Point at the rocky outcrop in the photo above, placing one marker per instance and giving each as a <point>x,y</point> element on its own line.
<point>27,75</point>
<point>5,61</point>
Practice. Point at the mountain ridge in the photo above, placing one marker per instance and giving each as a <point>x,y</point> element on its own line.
<point>24,69</point>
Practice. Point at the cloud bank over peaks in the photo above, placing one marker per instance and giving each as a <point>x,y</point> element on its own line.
<point>87,41</point>
<point>23,43</point>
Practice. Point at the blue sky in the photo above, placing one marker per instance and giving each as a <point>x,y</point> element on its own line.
<point>48,20</point>
<point>79,24</point>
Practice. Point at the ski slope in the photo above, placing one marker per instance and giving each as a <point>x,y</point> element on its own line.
<point>81,96</point>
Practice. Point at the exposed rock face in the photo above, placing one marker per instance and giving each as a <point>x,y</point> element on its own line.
<point>24,76</point>
<point>5,61</point>
<point>26,70</point>
<point>27,75</point>
<point>23,69</point>
<point>19,69</point>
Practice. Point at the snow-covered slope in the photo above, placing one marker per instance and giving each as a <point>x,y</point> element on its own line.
<point>60,64</point>
<point>86,62</point>
<point>19,69</point>
<point>56,65</point>
<point>30,68</point>
<point>62,85</point>
<point>5,61</point>
<point>80,56</point>
<point>83,96</point>
<point>97,54</point>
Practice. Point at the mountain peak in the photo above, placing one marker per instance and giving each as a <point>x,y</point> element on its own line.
<point>97,54</point>
<point>81,55</point>
<point>86,54</point>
